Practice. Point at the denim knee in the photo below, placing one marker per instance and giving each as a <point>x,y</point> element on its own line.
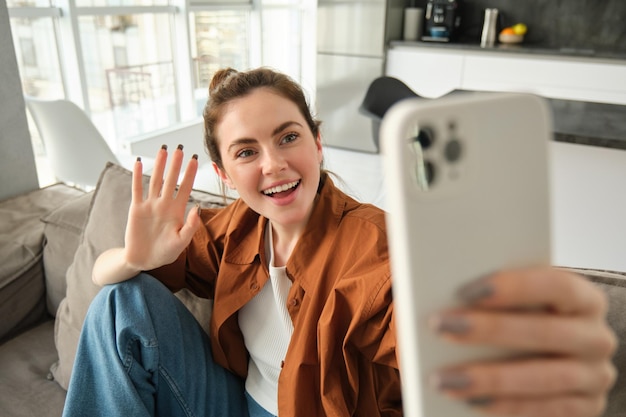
<point>142,285</point>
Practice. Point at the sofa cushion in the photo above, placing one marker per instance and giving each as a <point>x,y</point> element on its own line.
<point>104,229</point>
<point>21,246</point>
<point>63,228</point>
<point>25,388</point>
<point>614,286</point>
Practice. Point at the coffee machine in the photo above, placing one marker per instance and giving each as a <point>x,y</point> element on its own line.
<point>442,19</point>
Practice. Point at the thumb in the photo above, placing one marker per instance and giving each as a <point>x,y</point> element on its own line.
<point>192,224</point>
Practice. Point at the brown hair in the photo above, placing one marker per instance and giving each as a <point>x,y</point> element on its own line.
<point>229,84</point>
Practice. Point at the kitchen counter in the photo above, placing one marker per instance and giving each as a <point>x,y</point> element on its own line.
<point>585,123</point>
<point>518,49</point>
<point>586,91</point>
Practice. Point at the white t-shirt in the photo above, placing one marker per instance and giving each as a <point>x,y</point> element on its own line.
<point>267,329</point>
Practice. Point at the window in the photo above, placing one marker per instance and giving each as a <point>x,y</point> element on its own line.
<point>220,41</point>
<point>29,57</point>
<point>137,66</point>
<point>129,73</point>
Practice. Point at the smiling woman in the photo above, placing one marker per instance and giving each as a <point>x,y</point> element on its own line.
<point>303,317</point>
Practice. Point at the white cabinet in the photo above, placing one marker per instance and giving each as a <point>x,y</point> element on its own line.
<point>568,79</point>
<point>434,73</point>
<point>429,74</point>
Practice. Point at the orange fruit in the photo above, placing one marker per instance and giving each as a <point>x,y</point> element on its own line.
<point>508,31</point>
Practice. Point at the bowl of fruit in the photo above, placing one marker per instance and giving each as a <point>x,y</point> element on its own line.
<point>513,34</point>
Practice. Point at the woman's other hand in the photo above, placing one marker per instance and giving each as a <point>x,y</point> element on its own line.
<point>157,230</point>
<point>556,319</point>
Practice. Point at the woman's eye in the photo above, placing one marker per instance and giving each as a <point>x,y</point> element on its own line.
<point>245,153</point>
<point>290,137</point>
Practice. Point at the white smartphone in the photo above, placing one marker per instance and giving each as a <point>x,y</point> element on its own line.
<point>468,194</point>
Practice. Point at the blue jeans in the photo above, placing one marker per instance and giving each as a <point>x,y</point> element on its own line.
<point>142,353</point>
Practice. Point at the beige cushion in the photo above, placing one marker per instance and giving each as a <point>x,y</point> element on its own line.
<point>63,229</point>
<point>104,229</point>
<point>25,390</point>
<point>614,285</point>
<point>21,247</point>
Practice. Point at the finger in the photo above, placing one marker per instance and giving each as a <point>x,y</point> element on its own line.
<point>557,289</point>
<point>192,224</point>
<point>562,406</point>
<point>187,183</point>
<point>538,377</point>
<point>527,332</point>
<point>156,180</point>
<point>137,187</point>
<point>169,187</point>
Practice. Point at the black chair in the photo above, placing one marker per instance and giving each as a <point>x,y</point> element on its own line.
<point>383,93</point>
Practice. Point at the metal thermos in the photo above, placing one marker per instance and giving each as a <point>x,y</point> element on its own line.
<point>488,38</point>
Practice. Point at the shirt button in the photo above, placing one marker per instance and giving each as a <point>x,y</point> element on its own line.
<point>293,302</point>
<point>254,286</point>
<point>282,364</point>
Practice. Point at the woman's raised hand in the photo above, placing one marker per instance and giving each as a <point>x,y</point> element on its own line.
<point>157,231</point>
<point>557,320</point>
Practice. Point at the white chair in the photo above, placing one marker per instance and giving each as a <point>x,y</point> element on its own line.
<point>76,150</point>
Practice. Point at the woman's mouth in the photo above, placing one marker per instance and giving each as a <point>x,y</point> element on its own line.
<point>280,190</point>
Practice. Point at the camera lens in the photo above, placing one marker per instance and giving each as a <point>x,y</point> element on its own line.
<point>425,137</point>
<point>430,171</point>
<point>453,150</point>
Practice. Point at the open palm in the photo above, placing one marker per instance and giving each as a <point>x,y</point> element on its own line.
<point>157,231</point>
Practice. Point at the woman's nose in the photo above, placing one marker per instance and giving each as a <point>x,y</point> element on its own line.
<point>273,162</point>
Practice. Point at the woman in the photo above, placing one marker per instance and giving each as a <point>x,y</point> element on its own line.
<point>302,323</point>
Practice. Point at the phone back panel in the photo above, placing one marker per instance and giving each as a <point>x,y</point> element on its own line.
<point>472,200</point>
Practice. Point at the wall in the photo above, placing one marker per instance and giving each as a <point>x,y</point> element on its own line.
<point>17,163</point>
<point>588,207</point>
<point>581,24</point>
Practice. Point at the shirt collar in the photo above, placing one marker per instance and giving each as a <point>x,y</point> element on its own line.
<point>324,221</point>
<point>323,225</point>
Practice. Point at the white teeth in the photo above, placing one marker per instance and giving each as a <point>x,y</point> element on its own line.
<point>280,188</point>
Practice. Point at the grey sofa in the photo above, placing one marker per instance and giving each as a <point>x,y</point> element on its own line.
<point>49,239</point>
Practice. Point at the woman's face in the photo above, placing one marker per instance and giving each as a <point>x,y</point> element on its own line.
<point>270,156</point>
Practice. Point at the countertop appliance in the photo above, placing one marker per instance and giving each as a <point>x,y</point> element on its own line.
<point>442,20</point>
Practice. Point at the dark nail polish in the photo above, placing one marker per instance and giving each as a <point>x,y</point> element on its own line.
<point>195,156</point>
<point>450,380</point>
<point>180,147</point>
<point>475,291</point>
<point>449,324</point>
<point>139,159</point>
<point>164,147</point>
<point>480,401</point>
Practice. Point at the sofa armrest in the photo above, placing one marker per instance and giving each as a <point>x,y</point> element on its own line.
<point>22,287</point>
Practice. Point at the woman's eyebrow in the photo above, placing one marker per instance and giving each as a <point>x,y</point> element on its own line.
<point>283,126</point>
<point>241,141</point>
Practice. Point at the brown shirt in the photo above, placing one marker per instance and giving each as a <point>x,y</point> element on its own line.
<point>341,360</point>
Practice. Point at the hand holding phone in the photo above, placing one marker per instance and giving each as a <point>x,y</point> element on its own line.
<point>467,180</point>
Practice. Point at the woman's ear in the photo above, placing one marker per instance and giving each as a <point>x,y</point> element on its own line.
<point>318,144</point>
<point>223,176</point>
